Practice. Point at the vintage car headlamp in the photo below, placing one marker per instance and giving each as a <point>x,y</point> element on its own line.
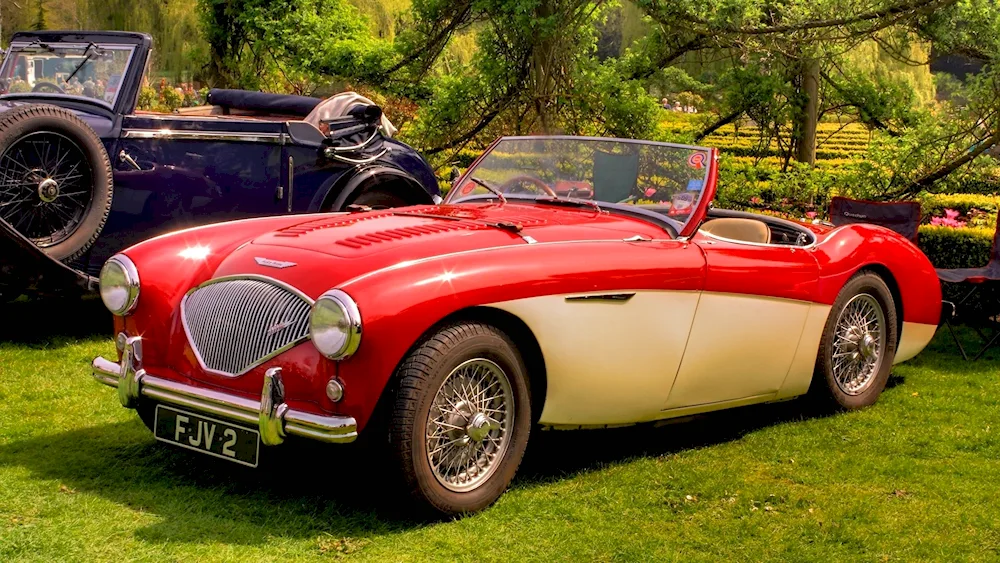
<point>335,325</point>
<point>119,285</point>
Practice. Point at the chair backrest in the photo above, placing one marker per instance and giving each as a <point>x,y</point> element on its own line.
<point>900,216</point>
<point>615,175</point>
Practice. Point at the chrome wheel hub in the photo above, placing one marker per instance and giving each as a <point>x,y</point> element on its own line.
<point>468,425</point>
<point>859,342</point>
<point>48,190</point>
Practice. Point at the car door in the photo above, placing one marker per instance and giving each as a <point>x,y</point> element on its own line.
<point>177,172</point>
<point>611,353</point>
<point>750,317</point>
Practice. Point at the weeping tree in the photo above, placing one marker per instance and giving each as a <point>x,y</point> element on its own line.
<point>790,49</point>
<point>534,70</point>
<point>291,44</point>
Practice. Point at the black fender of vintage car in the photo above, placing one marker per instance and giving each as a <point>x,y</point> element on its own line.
<point>26,268</point>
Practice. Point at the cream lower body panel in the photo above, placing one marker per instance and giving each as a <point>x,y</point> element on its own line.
<point>608,362</point>
<point>913,339</point>
<point>618,362</point>
<point>804,363</point>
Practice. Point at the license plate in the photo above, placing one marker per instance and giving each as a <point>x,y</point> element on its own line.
<point>207,435</point>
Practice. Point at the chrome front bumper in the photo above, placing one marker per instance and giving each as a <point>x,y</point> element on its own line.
<point>271,415</point>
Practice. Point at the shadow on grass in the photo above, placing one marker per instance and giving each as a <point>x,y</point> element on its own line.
<point>304,490</point>
<point>198,499</point>
<point>45,321</point>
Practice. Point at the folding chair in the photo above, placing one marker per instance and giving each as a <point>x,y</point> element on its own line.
<point>900,216</point>
<point>615,175</point>
<point>981,282</point>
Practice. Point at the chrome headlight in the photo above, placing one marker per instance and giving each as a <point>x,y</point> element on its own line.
<point>335,325</point>
<point>119,285</point>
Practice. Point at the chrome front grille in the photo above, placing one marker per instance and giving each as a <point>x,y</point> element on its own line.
<point>236,324</point>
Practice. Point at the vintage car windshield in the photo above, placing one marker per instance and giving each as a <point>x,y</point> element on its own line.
<point>78,70</point>
<point>658,177</point>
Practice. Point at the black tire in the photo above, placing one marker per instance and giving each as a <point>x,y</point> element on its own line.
<point>844,345</point>
<point>379,200</point>
<point>46,144</point>
<point>421,377</point>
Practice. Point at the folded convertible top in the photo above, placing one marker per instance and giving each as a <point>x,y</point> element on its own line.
<point>281,104</point>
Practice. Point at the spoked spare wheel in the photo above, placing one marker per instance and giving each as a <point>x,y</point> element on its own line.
<point>55,179</point>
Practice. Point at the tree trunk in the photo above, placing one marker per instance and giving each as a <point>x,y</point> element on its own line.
<point>809,116</point>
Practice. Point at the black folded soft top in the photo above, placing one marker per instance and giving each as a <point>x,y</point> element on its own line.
<point>281,104</point>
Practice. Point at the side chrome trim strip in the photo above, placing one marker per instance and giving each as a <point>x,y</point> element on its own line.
<point>175,134</point>
<point>617,297</point>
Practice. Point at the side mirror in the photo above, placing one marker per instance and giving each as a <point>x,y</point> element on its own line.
<point>454,174</point>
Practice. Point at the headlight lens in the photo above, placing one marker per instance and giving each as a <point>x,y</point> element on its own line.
<point>119,285</point>
<point>335,325</point>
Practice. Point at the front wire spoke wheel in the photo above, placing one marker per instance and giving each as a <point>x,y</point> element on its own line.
<point>468,426</point>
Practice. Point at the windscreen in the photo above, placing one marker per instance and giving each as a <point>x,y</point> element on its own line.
<point>78,70</point>
<point>668,179</point>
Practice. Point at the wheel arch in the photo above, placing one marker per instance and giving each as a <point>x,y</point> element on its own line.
<point>518,331</point>
<point>381,178</point>
<point>887,276</point>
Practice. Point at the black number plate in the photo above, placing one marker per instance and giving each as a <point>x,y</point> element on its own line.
<point>207,435</point>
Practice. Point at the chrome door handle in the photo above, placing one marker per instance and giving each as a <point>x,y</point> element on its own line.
<point>124,157</point>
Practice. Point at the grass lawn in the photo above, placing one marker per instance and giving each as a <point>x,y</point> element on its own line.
<point>913,478</point>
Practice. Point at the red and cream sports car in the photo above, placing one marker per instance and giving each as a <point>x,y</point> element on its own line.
<point>565,282</point>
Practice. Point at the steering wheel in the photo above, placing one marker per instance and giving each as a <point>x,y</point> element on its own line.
<point>506,187</point>
<point>48,87</point>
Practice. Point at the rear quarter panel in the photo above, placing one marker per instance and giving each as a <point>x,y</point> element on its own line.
<point>848,249</point>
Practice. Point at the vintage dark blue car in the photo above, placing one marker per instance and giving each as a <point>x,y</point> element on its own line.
<point>83,174</point>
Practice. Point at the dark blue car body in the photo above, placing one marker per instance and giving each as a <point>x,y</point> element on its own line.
<point>174,171</point>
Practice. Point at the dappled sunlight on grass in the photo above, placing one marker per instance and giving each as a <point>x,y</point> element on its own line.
<point>911,478</point>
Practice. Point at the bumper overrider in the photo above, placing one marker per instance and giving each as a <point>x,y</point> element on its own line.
<point>271,415</point>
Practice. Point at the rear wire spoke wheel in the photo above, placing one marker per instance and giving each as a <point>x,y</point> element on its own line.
<point>858,344</point>
<point>461,418</point>
<point>56,183</point>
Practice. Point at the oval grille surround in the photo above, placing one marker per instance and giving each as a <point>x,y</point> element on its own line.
<point>234,325</point>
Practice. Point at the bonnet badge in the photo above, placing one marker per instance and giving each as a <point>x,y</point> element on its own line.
<point>273,263</point>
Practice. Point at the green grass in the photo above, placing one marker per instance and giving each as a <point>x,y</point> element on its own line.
<point>914,478</point>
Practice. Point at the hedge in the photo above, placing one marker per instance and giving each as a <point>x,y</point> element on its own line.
<point>935,204</point>
<point>968,247</point>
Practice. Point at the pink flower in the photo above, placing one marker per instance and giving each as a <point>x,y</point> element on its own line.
<point>755,200</point>
<point>650,192</point>
<point>811,214</point>
<point>950,219</point>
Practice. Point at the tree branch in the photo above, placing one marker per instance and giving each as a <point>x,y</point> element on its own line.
<point>720,123</point>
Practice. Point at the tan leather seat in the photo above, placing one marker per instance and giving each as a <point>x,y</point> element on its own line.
<point>738,228</point>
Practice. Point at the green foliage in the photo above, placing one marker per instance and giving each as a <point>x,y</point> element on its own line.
<point>166,97</point>
<point>40,19</point>
<point>948,247</point>
<point>534,70</point>
<point>292,45</point>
